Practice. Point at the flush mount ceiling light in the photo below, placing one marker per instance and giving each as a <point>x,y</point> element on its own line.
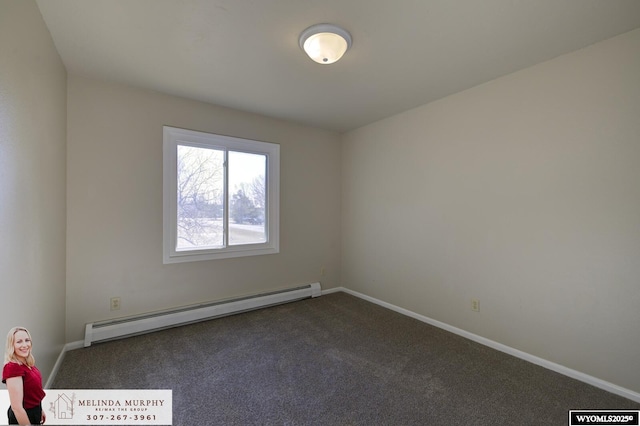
<point>325,43</point>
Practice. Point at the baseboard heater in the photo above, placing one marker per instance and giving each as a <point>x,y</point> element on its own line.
<point>128,326</point>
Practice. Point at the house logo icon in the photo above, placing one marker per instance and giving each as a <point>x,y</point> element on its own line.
<point>62,407</point>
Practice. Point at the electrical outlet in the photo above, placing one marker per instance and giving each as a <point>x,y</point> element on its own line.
<point>115,303</point>
<point>475,305</point>
<point>322,271</point>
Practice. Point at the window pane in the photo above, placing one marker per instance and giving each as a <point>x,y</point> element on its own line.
<point>200,198</point>
<point>247,200</point>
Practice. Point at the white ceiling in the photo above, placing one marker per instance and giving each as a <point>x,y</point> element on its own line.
<point>244,54</point>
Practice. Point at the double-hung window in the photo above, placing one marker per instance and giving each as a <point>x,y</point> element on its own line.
<point>221,196</point>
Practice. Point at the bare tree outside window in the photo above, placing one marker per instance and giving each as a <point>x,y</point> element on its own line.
<point>258,190</point>
<point>200,197</point>
<point>247,203</point>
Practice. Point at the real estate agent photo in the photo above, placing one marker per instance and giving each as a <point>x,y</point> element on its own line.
<point>23,379</point>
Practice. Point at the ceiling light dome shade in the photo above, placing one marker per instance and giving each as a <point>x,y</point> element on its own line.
<point>325,43</point>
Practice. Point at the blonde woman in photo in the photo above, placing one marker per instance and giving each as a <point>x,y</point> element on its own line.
<point>23,380</point>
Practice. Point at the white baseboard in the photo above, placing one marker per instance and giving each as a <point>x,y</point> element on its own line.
<point>332,290</point>
<point>56,366</point>
<point>574,374</point>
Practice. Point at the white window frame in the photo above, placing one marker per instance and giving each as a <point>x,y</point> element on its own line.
<point>172,137</point>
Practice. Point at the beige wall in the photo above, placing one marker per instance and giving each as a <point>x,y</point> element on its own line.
<point>523,193</point>
<point>115,205</point>
<point>32,180</point>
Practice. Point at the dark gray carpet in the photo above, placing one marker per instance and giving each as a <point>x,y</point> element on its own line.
<point>333,360</point>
